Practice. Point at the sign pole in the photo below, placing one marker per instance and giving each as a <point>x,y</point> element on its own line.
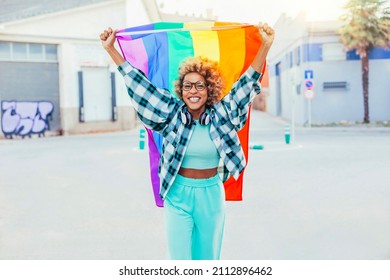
<point>309,109</point>
<point>294,91</point>
<point>293,121</point>
<point>309,93</point>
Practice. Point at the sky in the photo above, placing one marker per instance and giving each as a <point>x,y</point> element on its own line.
<point>254,11</point>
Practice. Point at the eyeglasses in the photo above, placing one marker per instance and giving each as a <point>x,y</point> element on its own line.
<point>199,86</point>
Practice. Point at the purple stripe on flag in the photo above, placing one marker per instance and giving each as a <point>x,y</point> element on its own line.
<point>154,157</point>
<point>134,52</point>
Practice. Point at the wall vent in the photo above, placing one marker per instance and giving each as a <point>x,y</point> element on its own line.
<point>335,86</point>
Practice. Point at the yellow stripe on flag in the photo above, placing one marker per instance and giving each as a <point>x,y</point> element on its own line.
<point>232,54</point>
<point>205,42</point>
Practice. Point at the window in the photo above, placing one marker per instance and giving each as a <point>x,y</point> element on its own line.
<point>35,51</point>
<point>19,51</point>
<point>16,51</point>
<point>5,50</point>
<point>312,52</point>
<point>278,69</point>
<point>297,56</point>
<point>51,52</point>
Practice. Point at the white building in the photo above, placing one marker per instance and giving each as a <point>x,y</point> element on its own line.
<point>309,55</point>
<point>55,76</point>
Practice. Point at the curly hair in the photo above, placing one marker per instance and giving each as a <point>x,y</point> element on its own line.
<point>211,72</point>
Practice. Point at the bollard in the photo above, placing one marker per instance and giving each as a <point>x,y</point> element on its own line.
<point>142,139</point>
<point>287,134</point>
<point>256,147</point>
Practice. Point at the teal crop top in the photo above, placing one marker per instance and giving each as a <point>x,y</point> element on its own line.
<point>201,152</point>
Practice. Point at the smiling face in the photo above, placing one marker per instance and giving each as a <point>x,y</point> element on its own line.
<point>194,91</point>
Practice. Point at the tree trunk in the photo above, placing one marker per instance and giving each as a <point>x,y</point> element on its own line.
<point>365,62</point>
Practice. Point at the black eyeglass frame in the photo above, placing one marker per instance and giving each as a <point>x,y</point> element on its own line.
<point>199,86</point>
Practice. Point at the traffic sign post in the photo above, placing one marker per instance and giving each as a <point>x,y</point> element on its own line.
<point>309,91</point>
<point>309,113</point>
<point>309,74</point>
<point>309,84</point>
<point>309,94</point>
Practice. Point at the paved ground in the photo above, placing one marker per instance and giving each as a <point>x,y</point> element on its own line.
<point>327,196</point>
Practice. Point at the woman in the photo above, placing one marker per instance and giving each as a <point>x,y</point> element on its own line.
<point>199,132</point>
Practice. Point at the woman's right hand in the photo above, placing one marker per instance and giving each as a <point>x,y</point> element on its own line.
<point>107,38</point>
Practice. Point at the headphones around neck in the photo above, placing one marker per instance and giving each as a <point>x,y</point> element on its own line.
<point>187,119</point>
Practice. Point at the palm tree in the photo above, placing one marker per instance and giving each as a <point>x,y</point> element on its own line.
<point>366,25</point>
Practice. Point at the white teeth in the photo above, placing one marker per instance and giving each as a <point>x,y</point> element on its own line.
<point>194,99</point>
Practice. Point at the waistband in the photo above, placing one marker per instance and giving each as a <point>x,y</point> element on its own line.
<point>197,183</point>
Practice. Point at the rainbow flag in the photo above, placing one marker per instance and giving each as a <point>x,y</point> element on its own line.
<point>158,49</point>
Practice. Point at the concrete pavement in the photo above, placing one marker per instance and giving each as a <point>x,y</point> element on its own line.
<point>327,196</point>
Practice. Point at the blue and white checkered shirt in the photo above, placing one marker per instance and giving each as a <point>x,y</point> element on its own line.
<point>160,111</point>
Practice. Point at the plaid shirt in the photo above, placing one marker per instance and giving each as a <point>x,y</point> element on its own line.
<point>160,111</point>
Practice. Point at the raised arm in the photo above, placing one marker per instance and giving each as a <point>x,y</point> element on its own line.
<point>267,35</point>
<point>237,101</point>
<point>108,39</point>
<point>155,106</point>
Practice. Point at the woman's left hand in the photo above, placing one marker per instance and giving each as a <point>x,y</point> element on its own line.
<point>267,33</point>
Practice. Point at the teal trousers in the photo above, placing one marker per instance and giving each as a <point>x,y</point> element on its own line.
<point>195,218</point>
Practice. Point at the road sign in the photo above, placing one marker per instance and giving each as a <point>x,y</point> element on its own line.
<point>309,94</point>
<point>309,74</point>
<point>309,84</point>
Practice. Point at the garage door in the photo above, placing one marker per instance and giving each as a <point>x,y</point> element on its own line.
<point>29,89</point>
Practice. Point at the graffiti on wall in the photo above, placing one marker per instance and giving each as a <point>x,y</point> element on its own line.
<point>23,118</point>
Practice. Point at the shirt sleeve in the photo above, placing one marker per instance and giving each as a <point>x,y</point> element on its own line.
<point>152,104</point>
<point>237,101</point>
